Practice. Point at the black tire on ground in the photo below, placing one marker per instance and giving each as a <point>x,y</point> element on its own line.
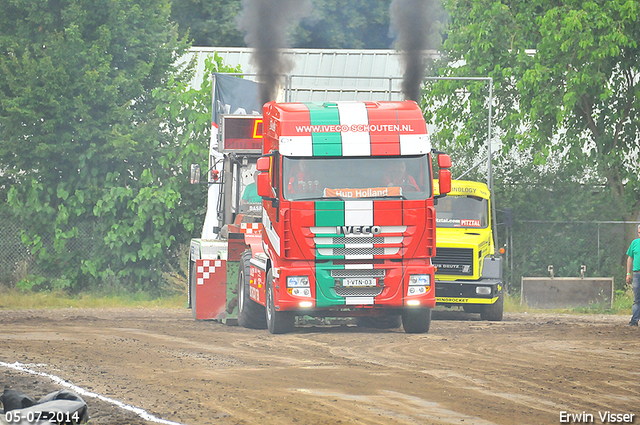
<point>192,287</point>
<point>392,321</point>
<point>416,321</point>
<point>493,312</point>
<point>278,322</point>
<point>250,313</point>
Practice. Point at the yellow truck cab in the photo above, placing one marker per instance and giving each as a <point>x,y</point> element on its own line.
<point>468,273</point>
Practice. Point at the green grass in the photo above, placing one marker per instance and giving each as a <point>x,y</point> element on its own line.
<point>14,299</point>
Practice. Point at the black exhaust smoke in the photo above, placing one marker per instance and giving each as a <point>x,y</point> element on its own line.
<point>265,23</point>
<point>411,23</point>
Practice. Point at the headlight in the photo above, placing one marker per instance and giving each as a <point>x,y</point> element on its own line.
<point>483,290</point>
<point>419,284</point>
<point>420,280</point>
<point>298,286</point>
<point>297,281</point>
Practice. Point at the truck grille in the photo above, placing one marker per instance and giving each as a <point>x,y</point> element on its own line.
<point>328,244</point>
<point>454,261</point>
<point>358,251</point>
<point>362,240</point>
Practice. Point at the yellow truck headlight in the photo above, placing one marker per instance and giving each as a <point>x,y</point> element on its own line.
<point>483,290</point>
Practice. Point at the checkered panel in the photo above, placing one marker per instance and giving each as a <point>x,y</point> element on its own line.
<point>206,270</point>
<point>251,228</point>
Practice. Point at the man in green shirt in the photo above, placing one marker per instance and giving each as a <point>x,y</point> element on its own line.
<point>250,194</point>
<point>633,277</point>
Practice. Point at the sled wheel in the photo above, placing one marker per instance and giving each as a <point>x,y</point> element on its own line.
<point>192,287</point>
<point>250,313</point>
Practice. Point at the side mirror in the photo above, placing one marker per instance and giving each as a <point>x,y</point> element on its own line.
<point>264,185</point>
<point>444,160</point>
<point>264,177</point>
<point>195,174</point>
<point>444,181</point>
<point>263,163</point>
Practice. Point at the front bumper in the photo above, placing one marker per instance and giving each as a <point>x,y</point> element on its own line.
<point>458,292</point>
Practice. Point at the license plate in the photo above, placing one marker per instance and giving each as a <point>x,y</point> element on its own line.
<point>357,281</point>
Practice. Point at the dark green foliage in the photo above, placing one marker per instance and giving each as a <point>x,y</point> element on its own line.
<point>566,115</point>
<point>209,23</point>
<point>98,129</point>
<point>566,84</point>
<point>333,24</point>
<point>556,222</point>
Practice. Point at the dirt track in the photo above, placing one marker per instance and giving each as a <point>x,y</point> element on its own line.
<point>524,370</point>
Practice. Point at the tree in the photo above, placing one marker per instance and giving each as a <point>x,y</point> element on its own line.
<point>82,145</point>
<point>335,24</point>
<point>209,23</point>
<point>566,83</point>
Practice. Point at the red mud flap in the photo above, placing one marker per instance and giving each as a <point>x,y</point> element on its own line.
<point>211,289</point>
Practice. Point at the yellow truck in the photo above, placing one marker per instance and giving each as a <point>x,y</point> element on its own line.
<point>468,272</point>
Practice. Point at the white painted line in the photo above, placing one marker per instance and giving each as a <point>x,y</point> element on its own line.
<point>81,391</point>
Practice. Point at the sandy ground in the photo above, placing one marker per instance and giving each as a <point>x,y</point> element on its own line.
<point>527,369</point>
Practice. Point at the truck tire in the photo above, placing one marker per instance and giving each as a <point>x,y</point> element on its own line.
<point>250,313</point>
<point>493,312</point>
<point>278,322</point>
<point>391,321</point>
<point>416,321</point>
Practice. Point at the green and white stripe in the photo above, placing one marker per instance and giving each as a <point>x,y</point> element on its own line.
<point>344,143</point>
<point>325,144</point>
<point>333,214</point>
<point>354,143</point>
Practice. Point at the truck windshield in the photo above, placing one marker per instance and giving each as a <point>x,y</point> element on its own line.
<point>462,211</point>
<point>406,177</point>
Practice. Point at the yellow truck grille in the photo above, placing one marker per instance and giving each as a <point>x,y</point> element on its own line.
<point>454,261</point>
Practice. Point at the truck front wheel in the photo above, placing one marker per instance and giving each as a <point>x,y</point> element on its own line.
<point>250,313</point>
<point>278,322</point>
<point>416,321</point>
<point>493,312</point>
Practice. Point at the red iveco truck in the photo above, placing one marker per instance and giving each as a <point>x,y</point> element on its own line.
<point>347,224</point>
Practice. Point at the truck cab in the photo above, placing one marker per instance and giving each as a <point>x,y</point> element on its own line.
<point>347,225</point>
<point>468,274</point>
